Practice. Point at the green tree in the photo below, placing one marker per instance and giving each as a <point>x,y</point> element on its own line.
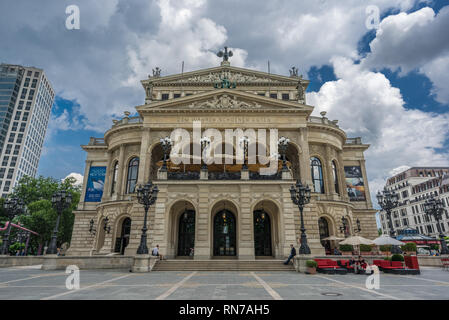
<point>41,217</point>
<point>379,231</point>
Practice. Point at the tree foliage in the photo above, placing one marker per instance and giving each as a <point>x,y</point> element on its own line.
<point>40,215</point>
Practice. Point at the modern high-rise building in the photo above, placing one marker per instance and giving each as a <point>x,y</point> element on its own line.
<point>414,187</point>
<point>26,99</point>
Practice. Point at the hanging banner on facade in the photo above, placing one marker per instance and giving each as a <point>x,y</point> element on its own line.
<point>354,183</point>
<point>95,184</point>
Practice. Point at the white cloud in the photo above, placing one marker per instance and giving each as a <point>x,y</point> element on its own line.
<point>368,106</point>
<point>77,176</point>
<point>415,41</point>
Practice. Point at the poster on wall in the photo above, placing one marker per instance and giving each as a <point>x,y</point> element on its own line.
<point>354,183</point>
<point>95,184</point>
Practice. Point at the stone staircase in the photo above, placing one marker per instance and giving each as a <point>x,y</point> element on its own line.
<point>222,265</point>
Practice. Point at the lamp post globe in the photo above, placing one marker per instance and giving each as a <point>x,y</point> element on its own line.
<point>146,195</point>
<point>13,207</point>
<point>300,196</point>
<point>60,200</point>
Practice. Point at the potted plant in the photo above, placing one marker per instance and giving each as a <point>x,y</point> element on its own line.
<point>311,266</point>
<point>346,249</point>
<point>365,249</point>
<point>385,250</point>
<point>409,248</point>
<point>397,257</point>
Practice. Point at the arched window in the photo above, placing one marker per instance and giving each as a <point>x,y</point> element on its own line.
<point>335,175</point>
<point>317,175</point>
<point>114,178</point>
<point>133,170</point>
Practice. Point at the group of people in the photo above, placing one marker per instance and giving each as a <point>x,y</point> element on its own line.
<point>359,264</point>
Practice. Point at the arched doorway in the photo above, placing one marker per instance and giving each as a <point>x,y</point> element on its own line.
<point>262,233</point>
<point>186,233</point>
<point>225,230</point>
<point>324,233</point>
<point>122,242</point>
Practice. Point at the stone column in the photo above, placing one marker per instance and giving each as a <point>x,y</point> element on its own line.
<point>365,183</point>
<point>245,240</point>
<point>144,161</point>
<point>108,178</point>
<point>342,178</point>
<point>327,167</point>
<point>86,178</point>
<point>203,237</point>
<point>304,157</point>
<point>121,185</point>
<point>288,216</point>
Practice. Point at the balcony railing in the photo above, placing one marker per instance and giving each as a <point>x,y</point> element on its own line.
<point>357,140</point>
<point>127,120</point>
<point>96,141</point>
<point>323,120</point>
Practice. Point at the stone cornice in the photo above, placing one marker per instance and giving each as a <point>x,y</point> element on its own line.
<point>214,99</point>
<point>203,77</point>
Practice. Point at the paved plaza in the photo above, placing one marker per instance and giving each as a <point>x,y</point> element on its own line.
<point>33,283</point>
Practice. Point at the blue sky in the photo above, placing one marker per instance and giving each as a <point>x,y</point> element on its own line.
<point>389,85</point>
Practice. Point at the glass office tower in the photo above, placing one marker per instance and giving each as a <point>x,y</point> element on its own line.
<point>26,99</point>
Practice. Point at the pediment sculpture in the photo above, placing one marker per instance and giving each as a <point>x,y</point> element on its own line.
<point>224,102</point>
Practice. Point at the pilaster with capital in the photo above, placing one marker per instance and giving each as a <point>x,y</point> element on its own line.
<point>121,172</point>
<point>144,162</point>
<point>107,179</point>
<point>304,157</point>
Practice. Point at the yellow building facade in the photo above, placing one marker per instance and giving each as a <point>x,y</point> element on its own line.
<point>225,210</point>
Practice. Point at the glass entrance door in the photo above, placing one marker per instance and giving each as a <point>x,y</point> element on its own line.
<point>122,242</point>
<point>224,234</point>
<point>186,233</point>
<point>262,233</point>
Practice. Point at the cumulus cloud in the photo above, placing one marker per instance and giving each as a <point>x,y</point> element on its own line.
<point>415,41</point>
<point>100,66</point>
<point>77,176</point>
<point>368,106</point>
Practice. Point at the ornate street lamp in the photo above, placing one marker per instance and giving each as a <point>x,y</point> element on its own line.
<point>106,227</point>
<point>13,207</point>
<point>92,230</point>
<point>166,147</point>
<point>301,196</point>
<point>358,226</point>
<point>282,147</point>
<point>146,195</point>
<point>434,207</point>
<point>205,143</point>
<point>344,226</point>
<point>244,141</point>
<point>60,200</point>
<point>389,200</point>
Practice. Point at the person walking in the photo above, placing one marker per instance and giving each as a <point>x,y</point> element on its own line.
<point>292,254</point>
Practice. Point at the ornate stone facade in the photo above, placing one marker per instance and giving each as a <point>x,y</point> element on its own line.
<point>259,101</point>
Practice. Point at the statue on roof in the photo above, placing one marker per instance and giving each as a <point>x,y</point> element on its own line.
<point>157,72</point>
<point>226,55</point>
